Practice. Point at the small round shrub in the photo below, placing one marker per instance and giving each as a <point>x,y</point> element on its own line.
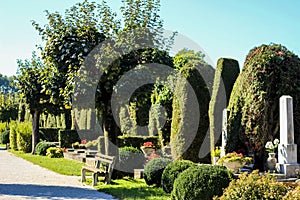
<point>41,147</point>
<point>4,137</point>
<point>201,182</point>
<point>54,152</point>
<point>172,171</point>
<point>130,158</point>
<point>254,187</point>
<point>153,170</point>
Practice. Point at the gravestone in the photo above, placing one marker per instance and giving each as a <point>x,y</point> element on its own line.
<point>224,131</point>
<point>287,149</point>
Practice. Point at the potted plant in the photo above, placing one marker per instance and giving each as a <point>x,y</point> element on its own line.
<point>148,148</point>
<point>234,161</point>
<point>270,148</point>
<point>216,155</point>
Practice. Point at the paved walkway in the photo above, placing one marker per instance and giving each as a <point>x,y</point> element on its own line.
<point>20,179</point>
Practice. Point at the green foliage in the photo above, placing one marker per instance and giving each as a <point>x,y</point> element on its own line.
<point>6,84</point>
<point>4,137</point>
<point>172,171</point>
<point>49,134</point>
<point>42,146</point>
<point>67,137</point>
<point>54,152</point>
<point>184,144</point>
<point>226,74</point>
<point>131,158</point>
<point>153,170</point>
<point>3,127</point>
<point>256,187</point>
<point>269,72</point>
<point>13,135</point>
<point>24,136</point>
<point>201,182</point>
<point>8,106</point>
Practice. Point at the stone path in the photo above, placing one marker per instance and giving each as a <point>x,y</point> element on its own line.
<point>20,179</point>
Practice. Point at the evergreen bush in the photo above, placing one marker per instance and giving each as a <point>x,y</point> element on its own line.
<point>41,147</point>
<point>269,72</point>
<point>254,187</point>
<point>4,137</point>
<point>24,137</point>
<point>67,137</point>
<point>172,171</point>
<point>201,182</point>
<point>13,135</point>
<point>49,134</point>
<point>153,170</point>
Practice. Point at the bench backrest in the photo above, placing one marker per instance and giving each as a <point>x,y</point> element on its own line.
<point>105,161</point>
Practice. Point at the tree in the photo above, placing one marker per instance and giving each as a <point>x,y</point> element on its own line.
<point>30,82</point>
<point>8,106</point>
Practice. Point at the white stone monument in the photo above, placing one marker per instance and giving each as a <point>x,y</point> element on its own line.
<point>224,131</point>
<point>287,149</point>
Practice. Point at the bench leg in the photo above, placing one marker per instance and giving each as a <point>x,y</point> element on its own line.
<point>95,179</point>
<point>83,175</point>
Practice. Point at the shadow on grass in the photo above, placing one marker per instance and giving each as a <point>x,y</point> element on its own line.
<point>50,192</point>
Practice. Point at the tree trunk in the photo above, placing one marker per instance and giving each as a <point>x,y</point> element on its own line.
<point>35,129</point>
<point>68,119</point>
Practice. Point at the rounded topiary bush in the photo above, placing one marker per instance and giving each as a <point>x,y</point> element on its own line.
<point>130,158</point>
<point>153,170</point>
<point>201,182</point>
<point>4,137</point>
<point>41,147</point>
<point>54,152</point>
<point>254,187</point>
<point>172,171</point>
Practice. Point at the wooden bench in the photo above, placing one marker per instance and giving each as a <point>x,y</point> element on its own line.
<point>104,166</point>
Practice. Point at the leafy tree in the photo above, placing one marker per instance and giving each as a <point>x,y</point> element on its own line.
<point>30,81</point>
<point>6,84</point>
<point>8,106</point>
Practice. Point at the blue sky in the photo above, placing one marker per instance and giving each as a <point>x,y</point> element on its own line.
<point>222,28</point>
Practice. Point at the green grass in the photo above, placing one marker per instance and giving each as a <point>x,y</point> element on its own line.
<point>2,145</point>
<point>58,165</point>
<point>132,189</point>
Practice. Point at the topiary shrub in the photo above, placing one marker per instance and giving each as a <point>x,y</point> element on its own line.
<point>4,137</point>
<point>49,134</point>
<point>67,137</point>
<point>41,147</point>
<point>24,136</point>
<point>226,74</point>
<point>190,116</point>
<point>13,135</point>
<point>172,171</point>
<point>130,158</point>
<point>269,72</point>
<point>254,187</point>
<point>153,170</point>
<point>201,182</point>
<point>54,152</point>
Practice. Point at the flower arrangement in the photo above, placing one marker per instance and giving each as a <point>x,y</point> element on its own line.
<point>271,146</point>
<point>235,157</point>
<point>148,144</point>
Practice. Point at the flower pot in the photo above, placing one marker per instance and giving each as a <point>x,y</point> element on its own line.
<point>233,166</point>
<point>271,162</point>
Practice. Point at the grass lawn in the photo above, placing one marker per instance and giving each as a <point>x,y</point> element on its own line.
<point>2,146</point>
<point>58,165</point>
<point>132,189</point>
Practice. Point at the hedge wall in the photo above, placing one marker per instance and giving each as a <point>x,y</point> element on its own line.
<point>49,134</point>
<point>67,137</point>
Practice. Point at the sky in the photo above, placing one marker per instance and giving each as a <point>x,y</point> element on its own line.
<point>221,28</point>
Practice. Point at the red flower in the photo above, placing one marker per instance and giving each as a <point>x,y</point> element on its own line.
<point>83,141</point>
<point>148,144</point>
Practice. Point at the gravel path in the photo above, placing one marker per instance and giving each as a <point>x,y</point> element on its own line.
<point>20,179</point>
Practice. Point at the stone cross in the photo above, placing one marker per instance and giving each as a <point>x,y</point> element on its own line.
<point>287,149</point>
<point>224,131</point>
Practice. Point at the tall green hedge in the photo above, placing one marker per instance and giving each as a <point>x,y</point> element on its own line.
<point>49,134</point>
<point>13,135</point>
<point>183,144</point>
<point>226,74</point>
<point>269,72</point>
<point>24,136</point>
